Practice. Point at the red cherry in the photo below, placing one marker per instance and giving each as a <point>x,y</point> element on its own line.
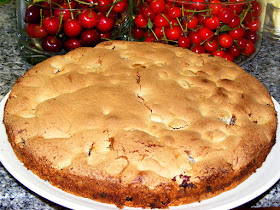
<point>184,42</point>
<point>120,6</point>
<point>235,21</point>
<point>106,35</point>
<point>65,12</point>
<point>195,38</point>
<point>218,52</point>
<point>158,32</point>
<point>255,25</point>
<point>249,48</point>
<point>105,24</point>
<point>236,8</point>
<point>198,49</point>
<point>234,50</point>
<point>173,33</point>
<point>237,33</point>
<point>72,27</point>
<point>205,33</point>
<point>29,29</point>
<point>215,6</point>
<point>212,22</point>
<point>241,43</point>
<point>161,21</point>
<point>174,12</point>
<point>104,5</point>
<point>228,57</point>
<point>39,32</point>
<point>52,44</point>
<point>251,35</point>
<point>52,24</point>
<point>88,18</point>
<point>225,15</point>
<point>32,14</point>
<point>147,13</point>
<point>138,33</point>
<point>257,8</point>
<point>140,21</point>
<point>71,44</point>
<point>89,37</point>
<point>158,6</point>
<point>225,40</point>
<point>211,45</point>
<point>192,22</point>
<point>150,39</point>
<point>198,5</point>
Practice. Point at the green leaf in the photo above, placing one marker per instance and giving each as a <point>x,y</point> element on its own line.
<point>225,28</point>
<point>150,24</point>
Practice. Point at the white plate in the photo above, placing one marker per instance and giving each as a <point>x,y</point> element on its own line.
<point>255,185</point>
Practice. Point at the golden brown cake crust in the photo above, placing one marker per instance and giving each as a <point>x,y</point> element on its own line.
<point>140,124</point>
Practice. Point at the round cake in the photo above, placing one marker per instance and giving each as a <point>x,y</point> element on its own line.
<point>140,124</point>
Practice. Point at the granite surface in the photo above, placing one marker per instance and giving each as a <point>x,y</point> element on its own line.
<point>13,195</point>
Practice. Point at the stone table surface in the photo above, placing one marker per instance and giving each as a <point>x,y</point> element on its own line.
<point>13,195</point>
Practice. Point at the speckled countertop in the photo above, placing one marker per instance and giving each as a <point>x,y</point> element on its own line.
<point>13,195</point>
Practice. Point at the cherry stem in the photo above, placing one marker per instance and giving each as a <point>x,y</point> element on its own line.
<point>167,20</point>
<point>86,3</point>
<point>112,5</point>
<point>60,23</point>
<point>182,28</point>
<point>71,12</point>
<point>154,34</point>
<point>41,17</point>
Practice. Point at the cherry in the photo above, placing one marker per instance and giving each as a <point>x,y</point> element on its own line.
<point>218,52</point>
<point>198,49</point>
<point>65,12</point>
<point>29,29</point>
<point>237,33</point>
<point>225,40</point>
<point>88,18</point>
<point>89,37</point>
<point>105,24</point>
<point>52,44</point>
<point>212,22</point>
<point>236,8</point>
<point>255,25</point>
<point>72,27</point>
<point>249,48</point>
<point>241,43</point>
<point>120,6</point>
<point>150,39</point>
<point>234,50</point>
<point>140,21</point>
<point>195,38</point>
<point>52,24</point>
<point>192,22</point>
<point>174,12</point>
<point>103,5</point>
<point>257,8</point>
<point>106,35</point>
<point>32,14</point>
<point>148,13</point>
<point>39,32</point>
<point>173,33</point>
<point>225,15</point>
<point>211,45</point>
<point>251,35</point>
<point>159,32</point>
<point>184,41</point>
<point>205,33</point>
<point>138,33</point>
<point>157,6</point>
<point>235,21</point>
<point>198,5</point>
<point>228,57</point>
<point>71,44</point>
<point>161,21</point>
<point>215,6</point>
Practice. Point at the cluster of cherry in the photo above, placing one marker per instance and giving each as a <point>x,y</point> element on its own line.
<point>69,24</point>
<point>229,29</point>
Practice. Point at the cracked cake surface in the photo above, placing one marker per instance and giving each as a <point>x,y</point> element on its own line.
<point>140,124</point>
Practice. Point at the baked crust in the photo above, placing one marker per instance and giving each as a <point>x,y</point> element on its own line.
<point>140,124</point>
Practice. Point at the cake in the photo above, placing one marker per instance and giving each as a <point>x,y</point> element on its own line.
<point>140,124</point>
